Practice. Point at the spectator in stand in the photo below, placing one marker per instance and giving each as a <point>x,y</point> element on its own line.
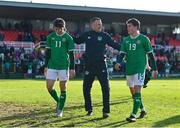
<point>117,38</point>
<point>9,26</point>
<point>1,36</point>
<point>43,37</point>
<point>161,67</point>
<point>17,26</point>
<point>28,37</point>
<point>11,50</point>
<point>1,54</point>
<point>29,71</point>
<point>21,49</point>
<point>20,37</point>
<point>110,67</point>
<point>77,66</point>
<point>167,69</point>
<point>7,68</point>
<point>158,39</point>
<point>1,27</point>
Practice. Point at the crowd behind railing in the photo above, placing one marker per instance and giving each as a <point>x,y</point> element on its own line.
<point>16,58</point>
<point>31,63</point>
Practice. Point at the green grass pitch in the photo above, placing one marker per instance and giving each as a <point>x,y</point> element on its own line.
<point>26,103</point>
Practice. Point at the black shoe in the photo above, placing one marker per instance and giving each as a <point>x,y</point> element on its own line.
<point>144,86</point>
<point>105,115</point>
<point>131,118</point>
<point>147,78</point>
<point>90,113</point>
<point>143,114</point>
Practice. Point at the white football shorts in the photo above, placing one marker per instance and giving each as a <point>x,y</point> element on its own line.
<point>53,74</point>
<point>136,79</point>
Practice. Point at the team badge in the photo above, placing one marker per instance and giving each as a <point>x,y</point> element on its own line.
<point>63,39</point>
<point>89,37</point>
<point>138,41</point>
<point>99,38</point>
<point>103,71</point>
<point>86,72</point>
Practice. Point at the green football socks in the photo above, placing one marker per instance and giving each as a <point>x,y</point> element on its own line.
<point>136,102</point>
<point>141,106</point>
<point>62,100</point>
<point>53,93</point>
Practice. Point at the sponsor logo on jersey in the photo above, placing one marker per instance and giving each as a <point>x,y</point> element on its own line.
<point>63,39</point>
<point>89,37</point>
<point>99,38</point>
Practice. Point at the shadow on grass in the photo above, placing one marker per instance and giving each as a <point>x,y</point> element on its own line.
<point>114,102</point>
<point>115,124</point>
<point>33,119</point>
<point>19,119</point>
<point>169,121</point>
<point>73,124</point>
<point>55,120</point>
<point>43,116</point>
<point>25,115</point>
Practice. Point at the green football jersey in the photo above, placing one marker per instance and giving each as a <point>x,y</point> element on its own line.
<point>136,50</point>
<point>60,45</point>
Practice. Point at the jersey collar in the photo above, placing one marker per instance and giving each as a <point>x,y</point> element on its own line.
<point>61,34</point>
<point>134,37</point>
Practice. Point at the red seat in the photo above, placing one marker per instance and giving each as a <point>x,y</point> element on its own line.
<point>37,33</point>
<point>10,35</point>
<point>174,42</point>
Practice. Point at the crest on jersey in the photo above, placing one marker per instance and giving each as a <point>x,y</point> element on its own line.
<point>103,71</point>
<point>99,38</point>
<point>86,72</point>
<point>138,41</point>
<point>89,37</point>
<point>63,39</point>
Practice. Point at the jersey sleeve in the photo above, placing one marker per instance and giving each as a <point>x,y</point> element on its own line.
<point>81,39</point>
<point>70,43</point>
<point>123,47</point>
<point>147,45</point>
<point>48,42</point>
<point>111,42</point>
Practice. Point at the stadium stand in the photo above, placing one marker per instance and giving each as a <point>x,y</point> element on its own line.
<point>22,40</point>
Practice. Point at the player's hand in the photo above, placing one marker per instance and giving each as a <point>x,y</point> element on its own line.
<point>71,73</point>
<point>117,66</point>
<point>155,74</point>
<point>116,52</point>
<point>45,71</point>
<point>148,68</point>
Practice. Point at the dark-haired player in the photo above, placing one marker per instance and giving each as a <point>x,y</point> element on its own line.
<point>136,47</point>
<point>59,62</point>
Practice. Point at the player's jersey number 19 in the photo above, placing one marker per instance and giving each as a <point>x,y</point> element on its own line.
<point>132,47</point>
